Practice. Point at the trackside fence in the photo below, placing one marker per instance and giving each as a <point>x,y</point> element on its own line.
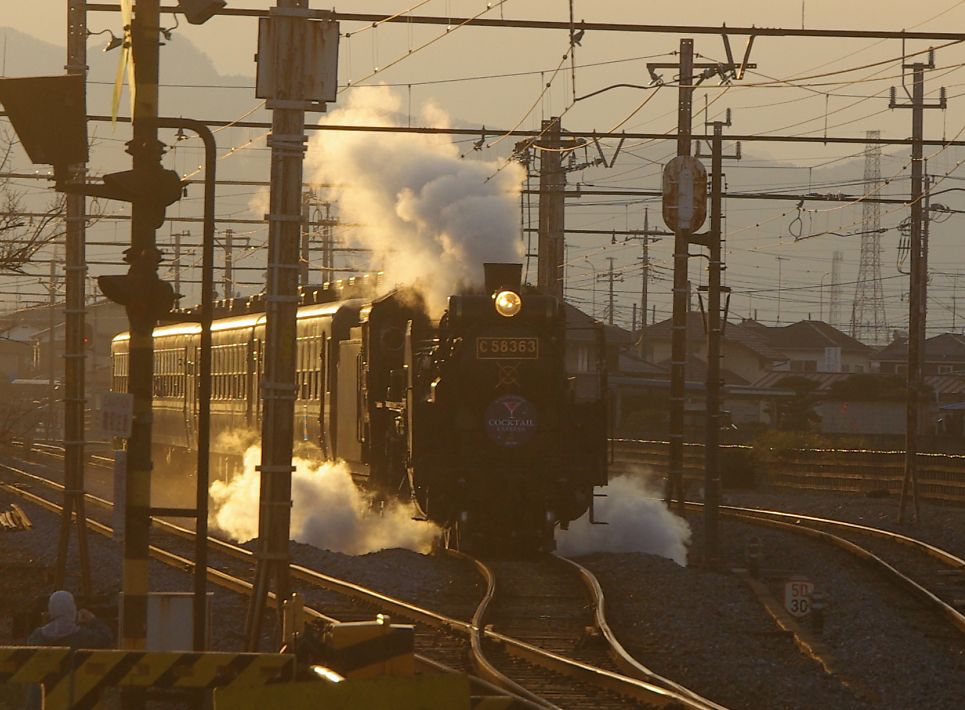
<point>941,477</point>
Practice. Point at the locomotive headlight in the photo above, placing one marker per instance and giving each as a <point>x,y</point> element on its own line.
<point>508,303</point>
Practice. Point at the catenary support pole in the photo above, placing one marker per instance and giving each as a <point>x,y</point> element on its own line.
<point>229,261</point>
<point>678,346</point>
<point>916,311</point>
<point>645,278</point>
<point>917,290</point>
<point>715,267</point>
<point>74,391</point>
<point>551,210</point>
<point>287,141</point>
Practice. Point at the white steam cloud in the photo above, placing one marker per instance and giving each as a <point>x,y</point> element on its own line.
<point>431,218</point>
<point>638,521</point>
<point>328,510</point>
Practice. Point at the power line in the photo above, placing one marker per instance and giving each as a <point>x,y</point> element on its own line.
<point>369,18</point>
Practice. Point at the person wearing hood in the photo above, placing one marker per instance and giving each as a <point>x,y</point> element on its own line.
<point>66,627</point>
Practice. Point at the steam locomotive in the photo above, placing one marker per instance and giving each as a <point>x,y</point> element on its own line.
<point>484,419</point>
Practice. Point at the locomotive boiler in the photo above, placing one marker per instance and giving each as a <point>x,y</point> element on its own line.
<point>491,420</point>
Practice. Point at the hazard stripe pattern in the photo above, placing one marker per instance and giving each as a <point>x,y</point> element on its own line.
<point>76,678</point>
<point>380,649</point>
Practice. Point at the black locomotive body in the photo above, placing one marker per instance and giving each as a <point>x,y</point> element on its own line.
<point>475,418</point>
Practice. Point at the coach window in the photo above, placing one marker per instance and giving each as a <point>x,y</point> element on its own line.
<point>219,368</point>
<point>312,367</point>
<point>322,376</point>
<point>318,361</point>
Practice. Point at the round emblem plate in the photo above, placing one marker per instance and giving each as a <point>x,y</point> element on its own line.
<point>511,421</point>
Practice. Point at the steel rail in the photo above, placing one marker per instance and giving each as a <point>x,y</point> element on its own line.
<point>767,517</point>
<point>634,687</point>
<point>944,556</point>
<point>482,664</point>
<point>222,579</point>
<point>624,660</point>
<point>669,695</point>
<point>304,574</point>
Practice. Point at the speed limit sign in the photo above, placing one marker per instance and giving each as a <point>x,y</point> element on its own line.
<point>797,595</point>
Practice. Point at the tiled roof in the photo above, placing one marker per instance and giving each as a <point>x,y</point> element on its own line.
<point>696,371</point>
<point>632,364</point>
<point>945,347</point>
<point>814,334</point>
<point>733,332</point>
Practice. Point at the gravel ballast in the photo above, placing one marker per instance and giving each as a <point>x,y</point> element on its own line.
<point>703,629</point>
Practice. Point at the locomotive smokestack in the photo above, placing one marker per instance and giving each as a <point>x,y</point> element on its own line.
<point>501,276</point>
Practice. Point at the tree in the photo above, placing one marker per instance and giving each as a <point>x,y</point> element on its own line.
<point>23,233</point>
<point>874,387</point>
<point>797,412</point>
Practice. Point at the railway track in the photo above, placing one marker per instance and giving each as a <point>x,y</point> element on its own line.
<point>931,574</point>
<point>544,621</point>
<point>443,642</point>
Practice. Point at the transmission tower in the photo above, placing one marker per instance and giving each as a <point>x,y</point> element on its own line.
<point>868,316</point>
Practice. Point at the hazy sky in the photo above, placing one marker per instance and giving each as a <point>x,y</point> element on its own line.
<point>804,87</point>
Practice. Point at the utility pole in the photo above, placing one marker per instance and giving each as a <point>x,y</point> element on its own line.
<point>834,300</point>
<point>780,261</point>
<point>229,283</point>
<point>645,278</point>
<point>177,265</point>
<point>51,345</point>
<point>303,260</point>
<point>917,290</point>
<point>552,182</point>
<point>645,240</point>
<point>328,244</point>
<point>645,271</point>
<point>611,276</point>
<point>678,353</point>
<point>288,101</point>
<point>714,244</point>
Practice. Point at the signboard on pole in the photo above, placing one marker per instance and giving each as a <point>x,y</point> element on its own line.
<point>684,194</point>
<point>117,414</point>
<point>319,46</point>
<point>797,595</point>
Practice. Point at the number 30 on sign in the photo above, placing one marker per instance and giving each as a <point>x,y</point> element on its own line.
<point>797,596</point>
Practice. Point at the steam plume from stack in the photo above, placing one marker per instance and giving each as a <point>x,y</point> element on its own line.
<point>430,218</point>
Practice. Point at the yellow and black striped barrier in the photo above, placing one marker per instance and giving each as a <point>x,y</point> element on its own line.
<point>75,678</point>
<point>417,692</point>
<point>365,649</point>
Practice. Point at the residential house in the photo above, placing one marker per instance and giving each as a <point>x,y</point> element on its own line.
<point>943,354</point>
<point>747,353</point>
<point>815,346</point>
